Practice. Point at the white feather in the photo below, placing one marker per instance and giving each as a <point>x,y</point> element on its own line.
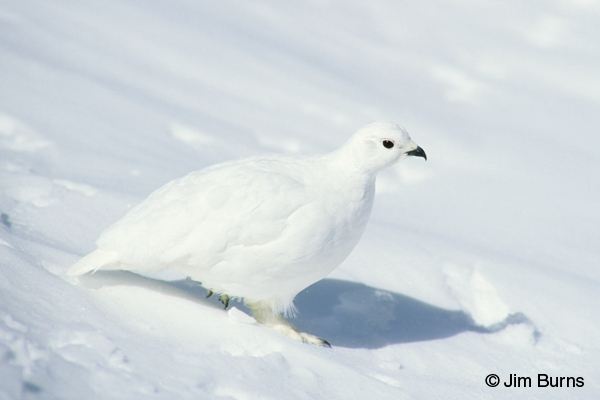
<point>260,228</point>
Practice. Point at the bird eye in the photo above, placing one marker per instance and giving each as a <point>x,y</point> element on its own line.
<point>388,144</point>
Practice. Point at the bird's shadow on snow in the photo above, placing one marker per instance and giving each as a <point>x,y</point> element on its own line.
<point>354,315</point>
<point>347,314</point>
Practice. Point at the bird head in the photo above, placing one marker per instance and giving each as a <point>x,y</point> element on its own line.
<point>379,145</point>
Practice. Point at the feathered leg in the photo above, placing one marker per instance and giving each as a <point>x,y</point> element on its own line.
<point>265,315</point>
<point>225,300</point>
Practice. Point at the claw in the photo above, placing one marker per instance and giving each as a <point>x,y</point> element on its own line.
<point>326,343</point>
<point>225,300</point>
<point>210,293</point>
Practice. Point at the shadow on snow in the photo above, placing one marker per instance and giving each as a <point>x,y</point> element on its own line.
<point>347,314</point>
<point>354,315</point>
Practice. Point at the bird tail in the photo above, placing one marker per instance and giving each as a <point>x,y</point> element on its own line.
<point>97,259</point>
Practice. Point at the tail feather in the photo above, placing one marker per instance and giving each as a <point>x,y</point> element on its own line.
<point>97,259</point>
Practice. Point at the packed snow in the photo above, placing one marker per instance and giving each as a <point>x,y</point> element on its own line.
<point>483,260</point>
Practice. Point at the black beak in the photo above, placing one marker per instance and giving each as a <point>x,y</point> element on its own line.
<point>418,152</point>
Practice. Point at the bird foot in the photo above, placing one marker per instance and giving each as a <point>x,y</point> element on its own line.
<point>225,300</point>
<point>301,336</point>
<point>265,315</point>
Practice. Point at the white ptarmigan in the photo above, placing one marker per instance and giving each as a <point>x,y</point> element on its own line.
<point>260,228</point>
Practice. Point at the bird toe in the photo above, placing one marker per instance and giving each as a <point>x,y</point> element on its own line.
<point>312,339</point>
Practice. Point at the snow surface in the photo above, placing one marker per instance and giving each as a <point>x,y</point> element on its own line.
<point>493,270</point>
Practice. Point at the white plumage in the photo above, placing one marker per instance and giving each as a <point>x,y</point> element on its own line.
<point>260,228</point>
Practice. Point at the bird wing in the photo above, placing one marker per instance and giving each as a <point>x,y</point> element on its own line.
<point>195,219</point>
